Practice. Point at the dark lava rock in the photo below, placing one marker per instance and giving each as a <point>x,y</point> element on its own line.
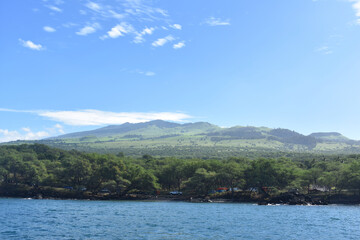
<point>294,199</point>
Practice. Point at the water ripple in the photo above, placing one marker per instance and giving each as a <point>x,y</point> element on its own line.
<point>67,219</point>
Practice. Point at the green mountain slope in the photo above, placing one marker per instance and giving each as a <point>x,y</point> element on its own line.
<point>331,137</point>
<point>199,139</point>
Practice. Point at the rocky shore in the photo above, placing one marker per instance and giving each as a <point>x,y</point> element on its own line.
<point>240,197</point>
<point>295,199</point>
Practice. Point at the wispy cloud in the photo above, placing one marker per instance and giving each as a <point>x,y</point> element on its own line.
<point>179,45</point>
<point>93,6</point>
<point>147,31</point>
<point>212,21</point>
<point>136,18</point>
<point>59,128</point>
<point>16,111</point>
<point>120,30</point>
<point>91,117</point>
<point>96,117</point>
<point>88,29</point>
<point>162,41</point>
<point>102,12</point>
<point>176,26</point>
<point>139,38</point>
<point>31,45</point>
<point>147,73</point>
<point>49,29</point>
<point>54,8</point>
<point>324,50</point>
<point>116,14</point>
<point>356,7</point>
<point>135,9</point>
<point>24,134</point>
<point>145,12</point>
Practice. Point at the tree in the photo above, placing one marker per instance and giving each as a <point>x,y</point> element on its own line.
<point>231,175</point>
<point>268,173</point>
<point>76,171</point>
<point>202,181</point>
<point>140,179</point>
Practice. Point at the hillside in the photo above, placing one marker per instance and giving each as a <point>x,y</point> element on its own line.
<point>199,139</point>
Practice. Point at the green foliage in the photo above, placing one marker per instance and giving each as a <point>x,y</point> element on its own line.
<point>41,166</point>
<point>202,181</point>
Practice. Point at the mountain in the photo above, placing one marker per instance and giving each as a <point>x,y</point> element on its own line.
<point>200,139</point>
<point>330,136</point>
<point>154,128</point>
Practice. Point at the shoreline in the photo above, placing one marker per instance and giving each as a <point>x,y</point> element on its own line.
<point>335,200</point>
<point>288,198</point>
<point>181,200</point>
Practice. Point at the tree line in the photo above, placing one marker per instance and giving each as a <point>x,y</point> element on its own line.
<point>38,165</point>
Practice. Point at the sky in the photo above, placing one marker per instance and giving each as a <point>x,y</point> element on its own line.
<point>68,66</point>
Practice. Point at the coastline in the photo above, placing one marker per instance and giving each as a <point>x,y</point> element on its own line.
<point>282,199</point>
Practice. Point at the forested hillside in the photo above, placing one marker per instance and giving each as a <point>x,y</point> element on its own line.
<point>38,166</point>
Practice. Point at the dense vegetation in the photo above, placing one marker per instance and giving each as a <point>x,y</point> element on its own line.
<point>39,165</point>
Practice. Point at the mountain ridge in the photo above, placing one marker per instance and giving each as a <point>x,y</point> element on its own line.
<point>199,139</point>
<point>127,127</point>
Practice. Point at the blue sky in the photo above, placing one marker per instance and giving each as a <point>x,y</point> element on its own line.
<point>75,65</point>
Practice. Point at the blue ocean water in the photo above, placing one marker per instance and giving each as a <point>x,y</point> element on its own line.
<point>72,219</point>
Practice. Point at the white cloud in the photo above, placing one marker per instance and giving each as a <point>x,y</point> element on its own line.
<point>139,38</point>
<point>120,30</point>
<point>146,73</point>
<point>25,129</point>
<point>162,41</point>
<point>143,11</point>
<point>15,111</point>
<point>26,134</point>
<point>116,15</point>
<point>128,13</point>
<point>162,12</point>
<point>149,74</point>
<point>147,31</point>
<point>102,12</point>
<point>212,21</point>
<point>59,128</point>
<point>324,50</point>
<point>176,26</point>
<point>179,45</point>
<point>54,8</point>
<point>95,117</point>
<point>93,6</point>
<point>88,29</point>
<point>91,117</point>
<point>69,25</point>
<point>356,7</point>
<point>31,45</point>
<point>49,29</point>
